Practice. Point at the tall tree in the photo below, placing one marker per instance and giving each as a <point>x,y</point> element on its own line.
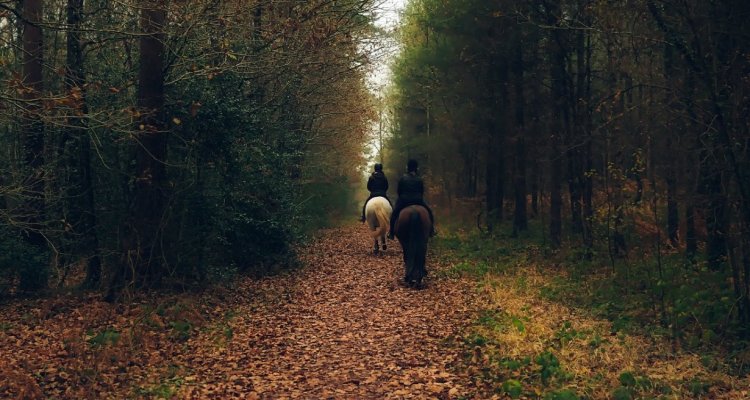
<point>33,136</point>
<point>520,221</point>
<point>560,120</point>
<point>142,243</point>
<point>81,191</point>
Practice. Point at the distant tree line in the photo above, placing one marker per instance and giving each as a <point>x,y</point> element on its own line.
<point>617,124</point>
<point>154,143</point>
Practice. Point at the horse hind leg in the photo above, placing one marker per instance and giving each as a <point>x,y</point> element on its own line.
<point>376,250</point>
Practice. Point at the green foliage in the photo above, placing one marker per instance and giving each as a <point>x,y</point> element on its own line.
<point>244,201</point>
<point>108,336</point>
<point>514,365</point>
<point>181,329</point>
<point>596,341</point>
<point>697,387</point>
<point>20,259</point>
<point>622,393</point>
<point>562,394</point>
<point>513,388</point>
<point>478,255</point>
<point>490,318</point>
<point>162,391</point>
<point>567,333</point>
<point>549,366</point>
<point>518,324</point>
<point>245,117</point>
<point>627,379</point>
<point>167,389</point>
<point>476,340</point>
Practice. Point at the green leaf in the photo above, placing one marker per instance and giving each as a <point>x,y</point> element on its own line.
<point>627,379</point>
<point>513,388</point>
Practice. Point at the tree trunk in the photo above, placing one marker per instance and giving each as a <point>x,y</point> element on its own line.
<point>584,112</point>
<point>691,239</point>
<point>716,224</point>
<point>705,68</point>
<point>492,180</point>
<point>33,139</point>
<point>82,212</point>
<point>142,253</point>
<point>520,221</point>
<point>495,126</point>
<point>746,273</point>
<point>150,188</point>
<point>557,73</point>
<point>535,188</point>
<point>673,215</point>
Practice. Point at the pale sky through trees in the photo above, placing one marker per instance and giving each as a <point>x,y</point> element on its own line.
<point>388,17</point>
<point>382,53</point>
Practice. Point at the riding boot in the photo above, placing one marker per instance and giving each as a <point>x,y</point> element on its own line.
<point>394,217</point>
<point>362,219</point>
<point>433,232</point>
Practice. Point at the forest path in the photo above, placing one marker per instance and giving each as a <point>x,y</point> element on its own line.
<point>341,327</point>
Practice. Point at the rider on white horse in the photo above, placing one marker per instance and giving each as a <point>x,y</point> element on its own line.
<point>378,187</point>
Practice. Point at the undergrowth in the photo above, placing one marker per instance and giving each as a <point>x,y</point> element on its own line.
<point>668,300</point>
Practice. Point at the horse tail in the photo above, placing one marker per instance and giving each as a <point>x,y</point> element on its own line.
<point>417,247</point>
<point>381,214</point>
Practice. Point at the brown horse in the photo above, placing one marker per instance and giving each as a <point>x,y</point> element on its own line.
<point>413,230</point>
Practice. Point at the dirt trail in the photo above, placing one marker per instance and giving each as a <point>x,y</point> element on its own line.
<point>342,327</point>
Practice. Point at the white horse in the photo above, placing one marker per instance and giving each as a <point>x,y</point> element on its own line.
<point>378,213</point>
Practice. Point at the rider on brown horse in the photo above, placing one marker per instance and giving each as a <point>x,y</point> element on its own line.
<point>377,185</point>
<point>410,192</point>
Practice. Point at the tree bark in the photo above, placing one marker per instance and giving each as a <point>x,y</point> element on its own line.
<point>584,111</point>
<point>673,214</point>
<point>493,181</point>
<point>142,253</point>
<point>83,214</point>
<point>535,189</point>
<point>495,125</point>
<point>559,124</point>
<point>520,220</point>
<point>716,223</point>
<point>32,126</point>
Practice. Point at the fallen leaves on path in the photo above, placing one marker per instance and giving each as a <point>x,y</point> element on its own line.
<point>342,327</point>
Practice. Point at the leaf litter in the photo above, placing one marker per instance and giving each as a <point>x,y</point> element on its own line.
<point>342,327</point>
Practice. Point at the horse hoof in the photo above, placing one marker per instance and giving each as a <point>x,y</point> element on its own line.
<point>385,247</point>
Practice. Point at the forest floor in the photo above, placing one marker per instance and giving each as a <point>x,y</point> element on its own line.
<point>341,327</point>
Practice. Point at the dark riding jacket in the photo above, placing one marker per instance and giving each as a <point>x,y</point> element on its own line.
<point>410,192</point>
<point>410,188</point>
<point>377,184</point>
